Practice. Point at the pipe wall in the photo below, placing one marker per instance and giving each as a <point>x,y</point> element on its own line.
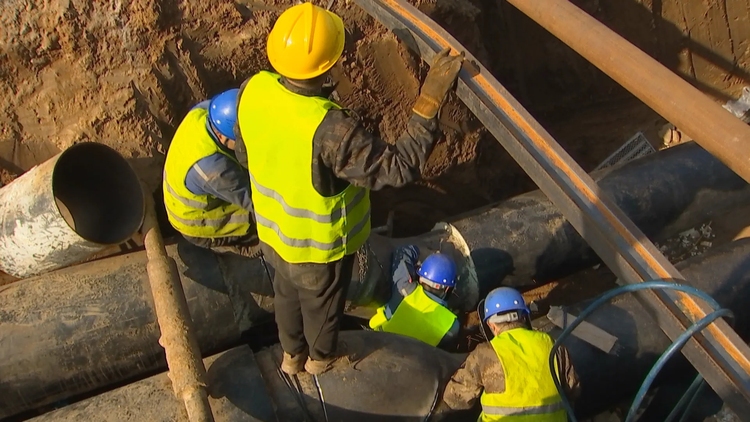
<point>68,208</point>
<point>92,325</point>
<point>384,366</point>
<point>246,387</point>
<point>526,240</point>
<point>526,235</point>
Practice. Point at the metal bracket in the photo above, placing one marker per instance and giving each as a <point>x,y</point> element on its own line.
<point>587,331</point>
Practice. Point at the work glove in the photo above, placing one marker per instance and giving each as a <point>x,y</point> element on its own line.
<point>440,79</point>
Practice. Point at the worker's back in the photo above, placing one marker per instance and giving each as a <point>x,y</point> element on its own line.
<point>195,215</point>
<point>530,392</point>
<point>300,224</point>
<point>417,316</point>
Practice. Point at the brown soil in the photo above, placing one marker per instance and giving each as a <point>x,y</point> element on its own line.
<point>125,73</point>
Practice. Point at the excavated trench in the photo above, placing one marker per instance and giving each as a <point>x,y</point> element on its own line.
<point>125,73</point>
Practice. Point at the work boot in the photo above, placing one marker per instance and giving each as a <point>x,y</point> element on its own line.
<point>317,367</point>
<point>293,365</point>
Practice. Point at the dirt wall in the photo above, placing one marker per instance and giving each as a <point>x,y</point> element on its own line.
<point>707,42</point>
<point>125,72</point>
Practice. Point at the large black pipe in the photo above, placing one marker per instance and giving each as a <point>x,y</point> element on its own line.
<point>390,378</point>
<point>396,378</point>
<point>606,379</point>
<point>49,322</point>
<point>84,327</point>
<point>93,325</point>
<point>526,240</point>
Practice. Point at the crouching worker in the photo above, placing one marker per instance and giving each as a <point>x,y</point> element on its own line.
<point>418,304</point>
<point>206,191</point>
<point>510,374</point>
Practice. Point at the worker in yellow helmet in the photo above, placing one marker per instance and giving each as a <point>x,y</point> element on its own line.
<point>206,191</point>
<point>510,374</point>
<point>418,306</point>
<point>311,169</point>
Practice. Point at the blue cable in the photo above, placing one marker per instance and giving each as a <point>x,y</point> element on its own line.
<point>700,384</point>
<point>692,392</point>
<point>606,297</point>
<point>671,350</point>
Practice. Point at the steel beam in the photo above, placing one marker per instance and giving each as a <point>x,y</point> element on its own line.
<point>715,129</point>
<point>718,352</point>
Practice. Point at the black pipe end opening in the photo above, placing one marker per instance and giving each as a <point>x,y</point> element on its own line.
<point>98,193</point>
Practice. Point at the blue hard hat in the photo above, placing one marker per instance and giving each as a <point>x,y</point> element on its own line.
<point>223,112</point>
<point>439,269</point>
<point>502,300</point>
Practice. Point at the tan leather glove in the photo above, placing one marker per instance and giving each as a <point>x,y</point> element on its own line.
<point>440,79</point>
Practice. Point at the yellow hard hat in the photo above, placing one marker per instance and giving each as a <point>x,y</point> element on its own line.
<point>305,41</point>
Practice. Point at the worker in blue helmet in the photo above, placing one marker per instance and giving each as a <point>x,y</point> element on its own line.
<point>206,191</point>
<point>510,373</point>
<point>418,305</point>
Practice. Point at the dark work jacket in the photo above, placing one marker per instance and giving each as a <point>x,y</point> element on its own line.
<point>345,152</point>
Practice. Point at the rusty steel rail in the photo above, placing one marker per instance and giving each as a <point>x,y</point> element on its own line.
<point>717,353</point>
<point>715,129</point>
<point>178,338</point>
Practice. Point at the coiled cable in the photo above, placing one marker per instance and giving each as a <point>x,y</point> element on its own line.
<point>675,347</point>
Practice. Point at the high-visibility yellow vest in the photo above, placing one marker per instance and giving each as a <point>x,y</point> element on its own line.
<point>190,214</point>
<point>530,393</point>
<point>417,316</point>
<point>300,224</point>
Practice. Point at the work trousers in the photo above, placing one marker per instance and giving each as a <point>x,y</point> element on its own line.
<point>309,303</point>
<point>246,245</point>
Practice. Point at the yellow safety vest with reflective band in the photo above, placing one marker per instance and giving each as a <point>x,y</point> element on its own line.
<point>417,316</point>
<point>530,393</point>
<point>198,215</point>
<point>301,225</point>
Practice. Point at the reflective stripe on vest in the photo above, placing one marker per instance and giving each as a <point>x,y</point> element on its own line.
<point>417,316</point>
<point>530,393</point>
<point>333,217</point>
<point>197,215</point>
<point>277,127</point>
